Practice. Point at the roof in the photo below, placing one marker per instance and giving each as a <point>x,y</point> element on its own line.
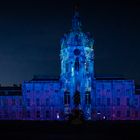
<point>109,77</point>
<point>10,91</point>
<point>45,78</point>
<point>137,89</point>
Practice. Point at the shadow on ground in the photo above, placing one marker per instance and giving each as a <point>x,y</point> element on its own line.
<point>55,130</point>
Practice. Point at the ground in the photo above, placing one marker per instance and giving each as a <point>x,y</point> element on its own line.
<point>47,130</point>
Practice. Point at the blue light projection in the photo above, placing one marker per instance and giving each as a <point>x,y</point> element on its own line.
<point>77,65</point>
<point>100,98</point>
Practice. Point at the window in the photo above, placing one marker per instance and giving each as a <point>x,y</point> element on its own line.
<point>13,101</point>
<point>136,101</point>
<point>77,98</point>
<point>108,101</point>
<point>118,113</point>
<point>28,114</point>
<point>20,102</point>
<point>57,115</point>
<point>5,114</point>
<point>128,113</point>
<point>47,101</point>
<point>98,90</point>
<point>118,101</point>
<point>77,64</point>
<point>47,114</point>
<point>28,91</point>
<point>56,91</point>
<point>66,97</point>
<point>38,114</point>
<point>28,102</point>
<point>98,101</point>
<point>127,101</point>
<point>5,102</point>
<point>87,98</point>
<point>128,91</point>
<point>136,114</point>
<point>108,90</point>
<point>118,90</point>
<point>37,91</point>
<point>37,102</point>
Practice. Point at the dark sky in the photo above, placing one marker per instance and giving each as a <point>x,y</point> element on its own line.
<point>30,32</point>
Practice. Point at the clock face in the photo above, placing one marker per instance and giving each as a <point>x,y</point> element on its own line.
<point>77,52</point>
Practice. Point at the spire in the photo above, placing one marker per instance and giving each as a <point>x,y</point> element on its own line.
<point>76,22</point>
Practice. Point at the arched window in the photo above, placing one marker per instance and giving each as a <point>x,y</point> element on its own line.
<point>66,97</point>
<point>77,99</point>
<point>77,64</point>
<point>87,98</point>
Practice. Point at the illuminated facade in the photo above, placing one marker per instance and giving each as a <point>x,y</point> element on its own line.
<point>77,67</point>
<point>43,98</point>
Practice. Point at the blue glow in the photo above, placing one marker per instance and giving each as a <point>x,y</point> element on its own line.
<point>43,99</point>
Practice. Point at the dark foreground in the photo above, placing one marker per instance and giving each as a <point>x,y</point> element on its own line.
<point>45,130</point>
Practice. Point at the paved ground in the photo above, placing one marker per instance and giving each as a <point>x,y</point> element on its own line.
<point>44,130</point>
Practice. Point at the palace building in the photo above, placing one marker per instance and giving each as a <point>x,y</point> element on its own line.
<point>51,98</point>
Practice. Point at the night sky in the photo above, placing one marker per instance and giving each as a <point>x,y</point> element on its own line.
<point>30,33</point>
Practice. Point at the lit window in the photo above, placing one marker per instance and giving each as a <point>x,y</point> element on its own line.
<point>57,115</point>
<point>98,113</point>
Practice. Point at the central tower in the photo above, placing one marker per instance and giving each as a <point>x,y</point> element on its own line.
<point>77,68</point>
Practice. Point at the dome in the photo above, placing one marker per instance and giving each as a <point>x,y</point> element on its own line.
<point>78,38</point>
